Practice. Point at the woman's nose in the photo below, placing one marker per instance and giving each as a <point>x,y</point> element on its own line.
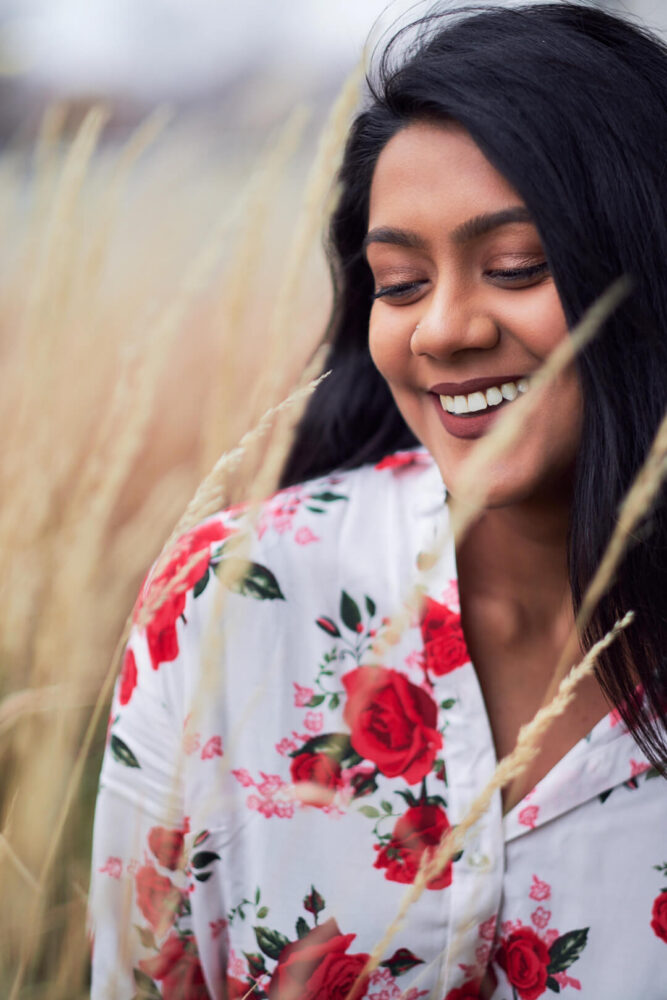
<point>448,327</point>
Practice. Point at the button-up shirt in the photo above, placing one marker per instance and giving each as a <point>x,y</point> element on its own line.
<point>292,734</point>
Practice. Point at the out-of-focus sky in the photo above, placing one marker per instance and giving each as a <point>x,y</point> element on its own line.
<point>257,56</point>
<point>163,48</point>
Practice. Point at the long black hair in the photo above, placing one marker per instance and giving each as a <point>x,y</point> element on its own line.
<point>570,105</point>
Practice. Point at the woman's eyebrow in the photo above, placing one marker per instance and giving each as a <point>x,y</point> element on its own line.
<point>397,237</point>
<point>479,225</point>
<point>471,229</point>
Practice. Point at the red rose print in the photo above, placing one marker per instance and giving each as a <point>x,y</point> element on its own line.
<point>444,644</point>
<point>392,722</point>
<point>525,958</point>
<point>469,991</point>
<point>166,845</point>
<point>659,916</point>
<point>236,990</point>
<point>318,968</point>
<point>157,898</point>
<point>161,629</point>
<point>419,830</point>
<point>403,461</point>
<point>318,768</point>
<point>128,677</point>
<point>177,967</point>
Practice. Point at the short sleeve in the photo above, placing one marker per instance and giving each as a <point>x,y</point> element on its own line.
<point>144,941</point>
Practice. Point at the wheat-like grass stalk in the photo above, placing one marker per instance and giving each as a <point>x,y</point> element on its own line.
<point>527,747</point>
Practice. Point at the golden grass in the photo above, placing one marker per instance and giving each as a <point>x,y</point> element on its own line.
<point>104,444</point>
<point>107,302</point>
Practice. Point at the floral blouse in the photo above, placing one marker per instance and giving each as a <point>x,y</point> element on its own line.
<point>270,785</point>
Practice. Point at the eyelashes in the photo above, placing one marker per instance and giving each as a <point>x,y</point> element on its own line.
<point>401,290</point>
<point>516,277</point>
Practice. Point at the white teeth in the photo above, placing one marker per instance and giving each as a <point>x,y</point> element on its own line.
<point>476,401</point>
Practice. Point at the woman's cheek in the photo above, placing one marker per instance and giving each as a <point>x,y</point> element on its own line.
<point>389,348</point>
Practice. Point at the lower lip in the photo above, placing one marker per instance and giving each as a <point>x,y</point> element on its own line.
<point>467,425</point>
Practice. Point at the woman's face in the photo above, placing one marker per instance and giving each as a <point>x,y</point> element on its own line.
<point>465,310</point>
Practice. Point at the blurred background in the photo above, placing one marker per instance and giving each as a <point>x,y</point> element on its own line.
<point>166,170</point>
<point>241,64</point>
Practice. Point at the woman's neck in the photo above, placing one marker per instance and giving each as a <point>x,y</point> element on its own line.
<point>517,557</point>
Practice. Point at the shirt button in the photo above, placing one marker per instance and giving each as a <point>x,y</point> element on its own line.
<point>478,860</point>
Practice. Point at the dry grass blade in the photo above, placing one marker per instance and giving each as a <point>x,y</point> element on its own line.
<point>527,746</point>
<point>472,486</point>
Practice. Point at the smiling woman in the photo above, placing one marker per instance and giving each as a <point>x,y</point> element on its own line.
<point>500,178</point>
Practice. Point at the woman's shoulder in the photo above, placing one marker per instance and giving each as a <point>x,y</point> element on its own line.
<point>307,515</point>
<point>297,546</point>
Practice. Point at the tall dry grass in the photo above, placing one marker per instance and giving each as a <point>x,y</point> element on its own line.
<point>144,329</point>
<point>142,290</point>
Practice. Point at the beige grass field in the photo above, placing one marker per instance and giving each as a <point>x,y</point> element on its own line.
<point>153,305</point>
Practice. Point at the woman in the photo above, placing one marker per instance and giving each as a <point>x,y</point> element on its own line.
<point>277,772</point>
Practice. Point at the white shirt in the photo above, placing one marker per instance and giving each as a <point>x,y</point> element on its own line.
<point>210,863</point>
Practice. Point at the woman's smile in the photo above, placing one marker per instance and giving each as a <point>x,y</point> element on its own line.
<point>465,309</point>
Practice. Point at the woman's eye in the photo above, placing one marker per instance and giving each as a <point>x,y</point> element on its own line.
<point>518,276</point>
<point>402,290</point>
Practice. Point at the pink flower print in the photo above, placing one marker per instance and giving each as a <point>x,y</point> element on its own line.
<point>283,809</point>
<point>243,777</point>
<point>540,917</point>
<point>191,743</point>
<point>415,661</point>
<point>564,980</point>
<point>510,926</point>
<point>271,783</point>
<point>235,966</point>
<point>302,695</point>
<point>614,717</point>
<point>112,867</point>
<point>638,767</point>
<point>550,936</point>
<point>304,536</point>
<point>212,748</point>
<point>314,722</point>
<point>482,953</point>
<point>528,816</point>
<point>286,746</point>
<point>539,890</point>
<point>450,596</point>
<point>487,930</point>
<point>217,927</point>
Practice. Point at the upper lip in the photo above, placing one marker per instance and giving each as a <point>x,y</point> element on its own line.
<point>473,384</point>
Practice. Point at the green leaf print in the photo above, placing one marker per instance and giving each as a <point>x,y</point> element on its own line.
<point>349,611</point>
<point>327,497</point>
<point>203,858</point>
<point>336,745</point>
<point>146,988</point>
<point>370,606</point>
<point>302,928</point>
<point>270,942</point>
<point>401,961</point>
<point>566,949</point>
<point>252,580</point>
<point>552,985</point>
<point>122,753</point>
<point>200,585</point>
